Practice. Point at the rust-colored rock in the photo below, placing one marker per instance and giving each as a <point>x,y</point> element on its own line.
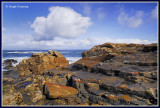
<point>54,91</point>
<point>126,98</point>
<point>41,62</point>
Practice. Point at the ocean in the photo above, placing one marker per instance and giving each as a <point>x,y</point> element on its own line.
<point>71,55</point>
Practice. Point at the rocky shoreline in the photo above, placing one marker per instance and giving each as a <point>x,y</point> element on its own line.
<point>108,74</point>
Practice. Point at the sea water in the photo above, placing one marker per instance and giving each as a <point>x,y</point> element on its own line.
<point>71,55</point>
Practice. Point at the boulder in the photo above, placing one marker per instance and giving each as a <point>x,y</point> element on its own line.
<point>54,91</point>
<point>41,62</point>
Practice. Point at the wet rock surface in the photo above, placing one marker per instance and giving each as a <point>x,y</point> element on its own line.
<point>9,70</point>
<point>127,75</point>
<point>8,63</point>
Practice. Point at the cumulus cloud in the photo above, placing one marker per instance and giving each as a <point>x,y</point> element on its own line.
<point>154,12</point>
<point>132,21</point>
<point>100,13</point>
<point>60,22</point>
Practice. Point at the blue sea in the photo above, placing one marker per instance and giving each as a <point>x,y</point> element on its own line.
<point>71,55</point>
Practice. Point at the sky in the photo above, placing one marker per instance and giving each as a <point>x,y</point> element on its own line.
<point>77,25</point>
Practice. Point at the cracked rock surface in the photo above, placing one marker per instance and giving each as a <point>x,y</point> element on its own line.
<point>108,74</point>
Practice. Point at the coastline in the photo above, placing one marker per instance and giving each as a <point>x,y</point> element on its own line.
<point>108,75</point>
<point>19,55</point>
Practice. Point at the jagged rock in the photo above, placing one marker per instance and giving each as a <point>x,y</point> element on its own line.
<point>41,62</point>
<point>54,91</point>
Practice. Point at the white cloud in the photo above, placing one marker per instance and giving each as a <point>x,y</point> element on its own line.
<point>154,12</point>
<point>86,41</point>
<point>14,41</point>
<point>60,22</point>
<point>99,40</point>
<point>136,41</point>
<point>100,13</point>
<point>86,9</point>
<point>133,21</point>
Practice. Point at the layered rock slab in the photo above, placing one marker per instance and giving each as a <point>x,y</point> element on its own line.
<point>54,91</point>
<point>128,69</point>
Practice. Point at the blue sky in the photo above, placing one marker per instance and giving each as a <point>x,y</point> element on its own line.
<point>77,25</point>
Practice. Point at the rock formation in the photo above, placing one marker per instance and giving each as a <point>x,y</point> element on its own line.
<point>108,74</point>
<point>41,62</point>
<point>123,72</point>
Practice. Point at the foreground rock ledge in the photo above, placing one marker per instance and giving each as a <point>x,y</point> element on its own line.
<point>54,91</point>
<point>41,62</point>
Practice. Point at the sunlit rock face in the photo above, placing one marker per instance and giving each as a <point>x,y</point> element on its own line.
<point>41,62</point>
